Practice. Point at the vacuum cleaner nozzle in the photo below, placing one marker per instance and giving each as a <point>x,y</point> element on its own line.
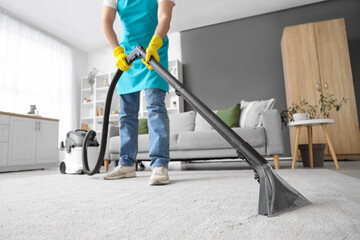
<point>276,195</point>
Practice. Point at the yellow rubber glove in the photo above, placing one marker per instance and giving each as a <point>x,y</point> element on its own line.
<point>120,56</point>
<point>152,50</point>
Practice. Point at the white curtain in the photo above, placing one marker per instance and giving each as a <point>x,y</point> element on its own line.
<point>35,69</point>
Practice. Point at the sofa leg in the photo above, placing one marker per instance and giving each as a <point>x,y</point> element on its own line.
<point>276,161</point>
<point>106,165</point>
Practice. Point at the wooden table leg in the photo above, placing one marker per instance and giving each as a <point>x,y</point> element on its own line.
<point>298,128</point>
<point>311,155</point>
<point>106,165</point>
<point>276,161</point>
<point>330,146</point>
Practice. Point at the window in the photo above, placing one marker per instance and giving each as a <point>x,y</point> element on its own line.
<point>35,69</point>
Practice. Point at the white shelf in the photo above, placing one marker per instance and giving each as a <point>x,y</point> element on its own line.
<point>87,103</point>
<point>102,89</point>
<point>87,118</point>
<point>97,94</point>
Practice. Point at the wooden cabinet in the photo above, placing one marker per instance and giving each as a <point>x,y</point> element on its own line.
<point>27,142</point>
<point>317,55</point>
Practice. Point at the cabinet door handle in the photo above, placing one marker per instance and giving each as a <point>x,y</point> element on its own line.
<point>317,85</point>
<point>39,126</point>
<point>325,85</point>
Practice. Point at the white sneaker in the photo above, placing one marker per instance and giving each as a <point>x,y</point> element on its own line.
<point>159,176</point>
<point>121,172</point>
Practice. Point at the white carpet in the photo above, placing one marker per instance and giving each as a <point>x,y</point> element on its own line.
<point>196,205</point>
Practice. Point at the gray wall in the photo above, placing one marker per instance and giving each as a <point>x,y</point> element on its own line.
<point>241,59</point>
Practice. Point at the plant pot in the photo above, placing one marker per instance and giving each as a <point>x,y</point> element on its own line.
<point>300,116</point>
<point>318,154</point>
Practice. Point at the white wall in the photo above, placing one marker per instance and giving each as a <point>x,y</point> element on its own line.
<point>80,62</point>
<point>175,46</point>
<point>79,59</point>
<point>102,59</point>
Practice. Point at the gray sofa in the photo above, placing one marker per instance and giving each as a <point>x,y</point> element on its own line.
<point>192,138</point>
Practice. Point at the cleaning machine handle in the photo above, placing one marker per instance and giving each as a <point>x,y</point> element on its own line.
<point>276,195</point>
<point>243,149</point>
<point>138,52</point>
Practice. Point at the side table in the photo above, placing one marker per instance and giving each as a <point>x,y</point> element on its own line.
<point>309,124</point>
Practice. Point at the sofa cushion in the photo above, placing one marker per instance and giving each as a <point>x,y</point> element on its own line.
<point>201,124</point>
<point>143,127</point>
<point>143,143</point>
<point>251,112</point>
<point>182,122</point>
<point>213,140</point>
<point>230,116</point>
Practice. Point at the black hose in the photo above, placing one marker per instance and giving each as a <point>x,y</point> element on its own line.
<point>91,134</point>
<point>138,52</point>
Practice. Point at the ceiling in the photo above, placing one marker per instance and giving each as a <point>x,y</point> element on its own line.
<point>79,22</point>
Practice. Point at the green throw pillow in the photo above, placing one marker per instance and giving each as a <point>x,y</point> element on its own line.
<point>143,127</point>
<point>230,116</point>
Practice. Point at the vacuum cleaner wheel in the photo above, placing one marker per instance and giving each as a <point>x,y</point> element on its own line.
<point>62,167</point>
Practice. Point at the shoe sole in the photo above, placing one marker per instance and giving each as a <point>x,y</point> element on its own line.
<point>159,182</point>
<point>127,175</point>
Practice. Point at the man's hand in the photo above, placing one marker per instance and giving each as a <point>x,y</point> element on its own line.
<point>152,50</point>
<point>120,56</point>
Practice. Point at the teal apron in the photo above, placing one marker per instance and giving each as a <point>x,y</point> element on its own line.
<point>139,21</point>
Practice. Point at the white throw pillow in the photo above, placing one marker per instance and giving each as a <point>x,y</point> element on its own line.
<point>201,124</point>
<point>251,112</point>
<point>182,122</point>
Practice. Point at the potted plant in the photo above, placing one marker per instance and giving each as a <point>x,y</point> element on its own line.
<point>298,111</point>
<point>326,104</point>
<point>91,78</point>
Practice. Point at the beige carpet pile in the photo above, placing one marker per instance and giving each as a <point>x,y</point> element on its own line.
<point>196,205</point>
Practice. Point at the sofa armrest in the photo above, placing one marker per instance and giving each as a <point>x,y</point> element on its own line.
<point>112,132</point>
<point>273,132</point>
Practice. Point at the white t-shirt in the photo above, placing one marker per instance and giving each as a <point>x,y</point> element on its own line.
<point>113,3</point>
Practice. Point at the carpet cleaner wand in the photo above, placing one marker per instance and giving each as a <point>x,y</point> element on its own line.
<point>276,195</point>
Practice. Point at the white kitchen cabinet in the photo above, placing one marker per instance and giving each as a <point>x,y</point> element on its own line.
<point>47,141</point>
<point>22,144</point>
<point>27,142</point>
<point>3,154</point>
<point>4,139</point>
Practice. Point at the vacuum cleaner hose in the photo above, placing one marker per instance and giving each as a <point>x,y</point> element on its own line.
<point>91,134</point>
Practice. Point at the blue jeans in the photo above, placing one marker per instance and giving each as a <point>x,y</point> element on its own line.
<point>158,125</point>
